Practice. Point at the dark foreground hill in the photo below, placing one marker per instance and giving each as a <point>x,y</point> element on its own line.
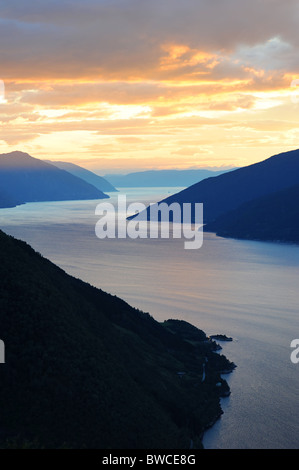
<point>97,181</point>
<point>228,191</point>
<point>85,370</point>
<point>270,218</point>
<point>27,179</point>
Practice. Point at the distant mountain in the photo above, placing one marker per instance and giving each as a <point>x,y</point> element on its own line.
<point>7,201</point>
<point>274,217</point>
<point>159,178</point>
<point>27,179</point>
<point>98,181</point>
<point>85,370</point>
<point>228,191</point>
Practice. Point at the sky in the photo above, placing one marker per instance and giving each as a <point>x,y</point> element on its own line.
<point>126,85</point>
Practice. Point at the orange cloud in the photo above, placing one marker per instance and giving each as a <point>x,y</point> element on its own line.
<point>181,56</point>
<point>128,81</point>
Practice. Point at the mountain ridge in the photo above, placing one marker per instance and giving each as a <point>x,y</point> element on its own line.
<point>95,180</point>
<point>24,179</point>
<point>228,191</point>
<point>159,178</point>
<point>85,370</point>
<point>274,217</point>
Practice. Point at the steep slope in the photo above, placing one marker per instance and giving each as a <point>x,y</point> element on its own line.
<point>159,178</point>
<point>270,218</point>
<point>7,200</point>
<point>28,179</point>
<point>228,191</point>
<point>97,181</point>
<point>84,369</point>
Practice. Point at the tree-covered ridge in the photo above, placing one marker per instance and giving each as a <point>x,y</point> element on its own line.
<point>274,217</point>
<point>85,370</point>
<point>227,192</point>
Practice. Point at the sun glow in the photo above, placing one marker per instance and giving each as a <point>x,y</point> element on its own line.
<point>172,98</point>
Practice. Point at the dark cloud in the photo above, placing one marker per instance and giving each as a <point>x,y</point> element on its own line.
<point>214,74</point>
<point>123,38</point>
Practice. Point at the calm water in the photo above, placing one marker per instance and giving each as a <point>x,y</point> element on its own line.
<point>248,290</point>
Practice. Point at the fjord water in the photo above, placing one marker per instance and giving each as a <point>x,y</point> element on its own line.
<point>244,289</point>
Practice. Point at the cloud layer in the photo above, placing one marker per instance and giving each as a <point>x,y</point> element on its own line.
<point>213,73</point>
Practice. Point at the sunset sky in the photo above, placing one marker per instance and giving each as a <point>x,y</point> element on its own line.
<point>123,85</point>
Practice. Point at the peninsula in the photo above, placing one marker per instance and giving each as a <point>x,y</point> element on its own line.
<point>86,370</point>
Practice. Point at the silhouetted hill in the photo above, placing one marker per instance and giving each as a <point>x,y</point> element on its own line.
<point>84,369</point>
<point>270,218</point>
<point>7,201</point>
<point>27,179</point>
<point>160,178</point>
<point>228,191</point>
<point>97,181</point>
